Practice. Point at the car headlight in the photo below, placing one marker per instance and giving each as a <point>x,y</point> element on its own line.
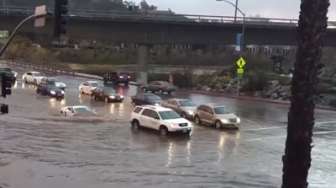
<point>157,104</point>
<point>53,92</point>
<point>121,96</point>
<point>190,112</point>
<point>112,97</point>
<point>173,125</point>
<point>238,120</point>
<point>62,92</point>
<point>224,121</point>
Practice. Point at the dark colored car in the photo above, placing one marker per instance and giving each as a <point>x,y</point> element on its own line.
<point>44,88</point>
<point>9,72</point>
<point>146,99</point>
<point>117,78</point>
<point>54,82</point>
<point>159,86</point>
<point>107,94</point>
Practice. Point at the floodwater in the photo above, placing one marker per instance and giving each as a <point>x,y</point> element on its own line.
<point>39,148</point>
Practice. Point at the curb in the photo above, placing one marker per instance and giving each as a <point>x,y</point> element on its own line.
<point>247,98</point>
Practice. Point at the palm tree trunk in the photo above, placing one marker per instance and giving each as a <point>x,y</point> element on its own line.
<point>297,158</point>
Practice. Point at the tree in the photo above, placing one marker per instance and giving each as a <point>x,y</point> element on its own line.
<point>297,158</point>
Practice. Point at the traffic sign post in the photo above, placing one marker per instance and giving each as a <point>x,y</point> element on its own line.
<point>240,72</point>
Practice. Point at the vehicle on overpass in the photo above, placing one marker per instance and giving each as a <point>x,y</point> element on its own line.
<point>88,87</point>
<point>159,86</point>
<point>54,82</point>
<point>217,116</point>
<point>71,111</point>
<point>117,78</point>
<point>107,94</point>
<point>146,99</point>
<point>185,107</point>
<point>33,77</point>
<point>46,88</point>
<point>164,120</point>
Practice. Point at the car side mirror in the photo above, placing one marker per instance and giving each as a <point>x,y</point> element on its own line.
<point>156,118</point>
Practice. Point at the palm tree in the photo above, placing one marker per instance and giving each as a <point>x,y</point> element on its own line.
<point>297,158</point>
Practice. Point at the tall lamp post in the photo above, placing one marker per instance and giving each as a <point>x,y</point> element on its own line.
<point>242,39</point>
<point>235,20</point>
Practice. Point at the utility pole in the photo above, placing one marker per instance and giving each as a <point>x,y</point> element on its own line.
<point>236,10</point>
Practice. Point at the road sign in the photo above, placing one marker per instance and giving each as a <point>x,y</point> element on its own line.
<point>4,34</point>
<point>40,12</point>
<point>240,71</point>
<point>241,63</point>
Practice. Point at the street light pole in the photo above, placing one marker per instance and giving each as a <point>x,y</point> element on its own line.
<point>242,42</point>
<point>235,18</point>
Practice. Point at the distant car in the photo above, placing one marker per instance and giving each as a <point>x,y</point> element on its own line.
<point>107,94</point>
<point>185,107</point>
<point>164,120</point>
<point>70,111</point>
<point>217,116</point>
<point>88,87</point>
<point>146,99</point>
<point>117,78</point>
<point>10,73</point>
<point>48,89</point>
<point>54,82</point>
<point>159,86</point>
<point>33,77</point>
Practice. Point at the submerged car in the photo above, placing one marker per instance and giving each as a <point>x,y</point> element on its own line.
<point>71,111</point>
<point>107,94</point>
<point>185,107</point>
<point>217,116</point>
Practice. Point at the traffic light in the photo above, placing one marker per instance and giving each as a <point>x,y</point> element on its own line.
<point>61,12</point>
<point>4,109</point>
<point>6,85</point>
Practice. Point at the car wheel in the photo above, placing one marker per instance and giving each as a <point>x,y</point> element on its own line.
<point>163,131</point>
<point>197,120</point>
<point>135,125</point>
<point>218,125</point>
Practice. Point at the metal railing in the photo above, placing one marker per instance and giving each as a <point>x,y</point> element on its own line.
<point>159,16</point>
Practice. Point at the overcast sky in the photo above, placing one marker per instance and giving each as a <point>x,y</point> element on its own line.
<point>264,8</point>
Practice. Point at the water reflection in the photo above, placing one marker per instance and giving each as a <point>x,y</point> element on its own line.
<point>174,151</point>
<point>227,144</point>
<point>56,104</point>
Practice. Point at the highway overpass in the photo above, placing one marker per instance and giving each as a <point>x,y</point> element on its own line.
<point>151,28</point>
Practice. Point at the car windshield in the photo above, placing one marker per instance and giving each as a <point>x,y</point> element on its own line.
<point>152,97</point>
<point>166,115</point>
<point>221,110</point>
<point>94,84</point>
<point>109,91</point>
<point>187,103</point>
<point>82,110</point>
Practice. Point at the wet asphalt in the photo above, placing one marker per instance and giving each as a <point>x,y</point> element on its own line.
<point>39,148</point>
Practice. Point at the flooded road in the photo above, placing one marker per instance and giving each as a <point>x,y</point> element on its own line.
<point>39,148</point>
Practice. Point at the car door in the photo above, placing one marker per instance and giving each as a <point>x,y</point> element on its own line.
<point>145,118</point>
<point>154,120</point>
<point>208,115</point>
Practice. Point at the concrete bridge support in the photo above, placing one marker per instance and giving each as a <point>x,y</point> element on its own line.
<point>142,71</point>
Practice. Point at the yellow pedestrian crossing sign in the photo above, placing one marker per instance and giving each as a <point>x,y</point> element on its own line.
<point>241,63</point>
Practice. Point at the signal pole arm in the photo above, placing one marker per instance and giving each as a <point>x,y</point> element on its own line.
<point>3,49</point>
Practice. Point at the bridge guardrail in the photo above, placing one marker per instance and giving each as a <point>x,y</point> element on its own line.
<point>155,16</point>
<point>52,70</point>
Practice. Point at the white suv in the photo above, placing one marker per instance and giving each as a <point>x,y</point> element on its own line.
<point>33,77</point>
<point>88,87</point>
<point>159,118</point>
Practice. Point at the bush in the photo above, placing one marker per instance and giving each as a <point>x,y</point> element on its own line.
<point>255,81</point>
